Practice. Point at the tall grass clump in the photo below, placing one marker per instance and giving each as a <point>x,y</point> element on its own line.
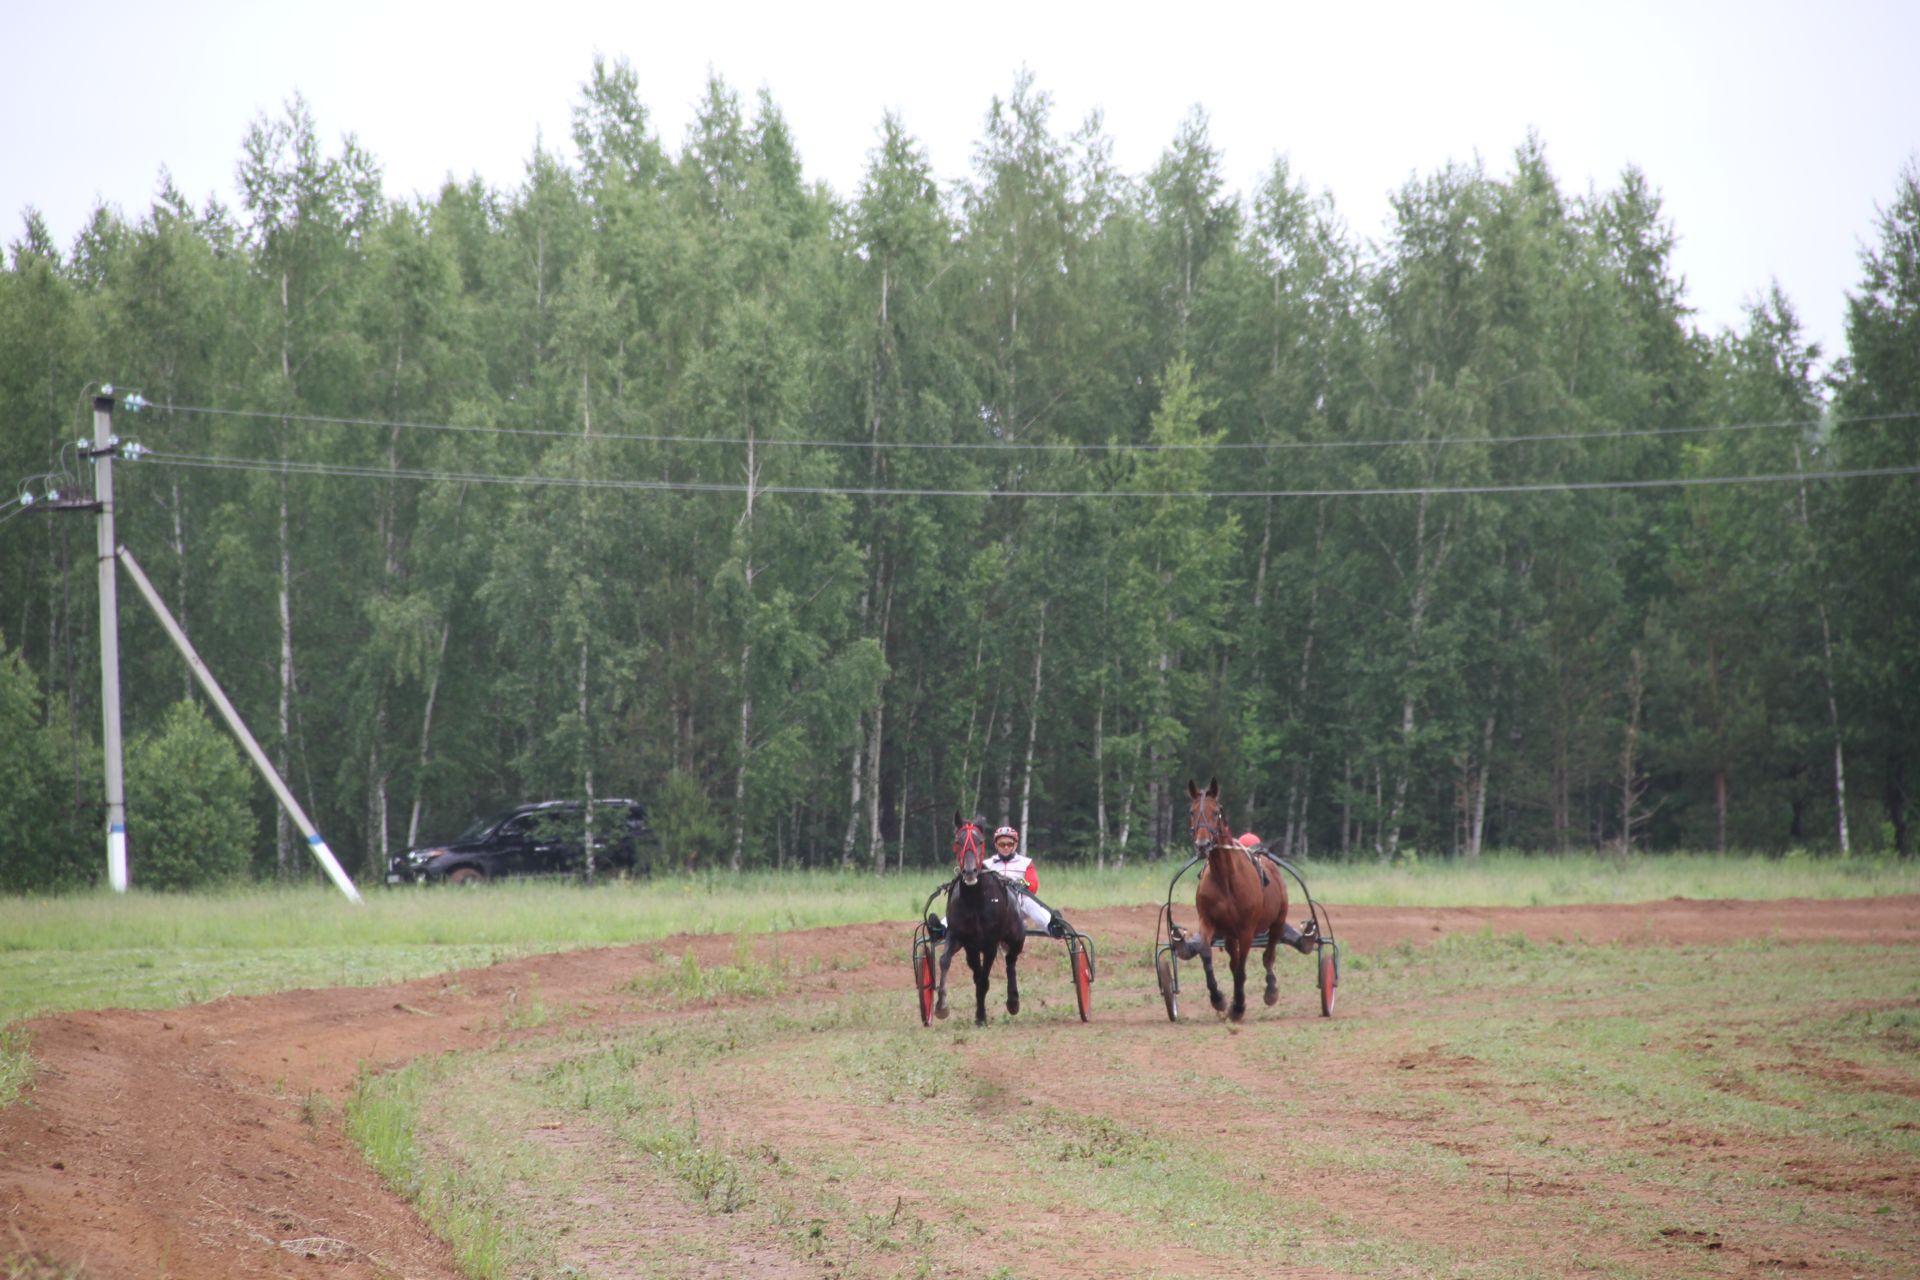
<point>382,1117</point>
<point>16,1064</point>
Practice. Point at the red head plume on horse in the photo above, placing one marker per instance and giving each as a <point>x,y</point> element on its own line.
<point>969,848</point>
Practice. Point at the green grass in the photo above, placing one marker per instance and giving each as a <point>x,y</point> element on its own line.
<point>526,917</point>
<point>456,1191</point>
<point>1564,1048</point>
<point>154,951</point>
<point>16,1063</point>
<point>689,980</point>
<point>30,1267</point>
<point>1560,1066</point>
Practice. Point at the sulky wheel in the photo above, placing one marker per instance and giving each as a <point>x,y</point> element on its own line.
<point>1329,977</point>
<point>1169,985</point>
<point>923,982</point>
<point>1082,976</point>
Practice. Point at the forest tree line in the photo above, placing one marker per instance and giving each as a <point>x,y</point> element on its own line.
<point>674,475</point>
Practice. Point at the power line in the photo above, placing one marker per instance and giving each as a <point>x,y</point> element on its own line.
<point>354,471</point>
<point>1009,446</point>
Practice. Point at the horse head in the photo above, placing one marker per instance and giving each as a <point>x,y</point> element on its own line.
<point>1205,819</point>
<point>969,847</point>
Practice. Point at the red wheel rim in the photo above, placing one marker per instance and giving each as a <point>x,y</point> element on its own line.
<point>1082,982</point>
<point>1327,981</point>
<point>923,978</point>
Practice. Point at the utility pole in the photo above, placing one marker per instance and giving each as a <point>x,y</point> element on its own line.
<point>104,444</point>
<point>104,447</point>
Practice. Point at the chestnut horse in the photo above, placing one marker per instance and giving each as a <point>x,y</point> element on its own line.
<point>1238,899</point>
<point>982,917</point>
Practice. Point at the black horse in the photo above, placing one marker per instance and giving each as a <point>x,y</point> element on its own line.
<point>983,917</point>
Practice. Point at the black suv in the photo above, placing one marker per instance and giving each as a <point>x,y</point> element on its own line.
<point>547,839</point>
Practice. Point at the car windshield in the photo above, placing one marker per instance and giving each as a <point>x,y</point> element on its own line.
<point>479,827</point>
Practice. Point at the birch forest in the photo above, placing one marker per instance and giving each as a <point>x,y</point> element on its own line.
<point>808,517</point>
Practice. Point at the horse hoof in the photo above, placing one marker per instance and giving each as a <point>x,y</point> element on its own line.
<point>941,1013</point>
<point>1273,997</point>
<point>1013,1007</point>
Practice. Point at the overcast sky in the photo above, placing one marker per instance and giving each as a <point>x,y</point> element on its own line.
<point>1773,131</point>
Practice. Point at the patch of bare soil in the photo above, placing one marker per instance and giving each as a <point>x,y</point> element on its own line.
<point>205,1142</point>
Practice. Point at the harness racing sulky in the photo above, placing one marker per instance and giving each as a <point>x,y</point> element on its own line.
<point>983,919</point>
<point>1241,903</point>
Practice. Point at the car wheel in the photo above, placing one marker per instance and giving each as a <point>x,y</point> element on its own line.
<point>466,875</point>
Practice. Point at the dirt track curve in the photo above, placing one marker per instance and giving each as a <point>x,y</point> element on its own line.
<point>181,1143</point>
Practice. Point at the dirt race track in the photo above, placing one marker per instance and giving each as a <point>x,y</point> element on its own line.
<point>173,1144</point>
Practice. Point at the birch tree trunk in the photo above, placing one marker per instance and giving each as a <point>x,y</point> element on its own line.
<point>379,770</point>
<point>1100,775</point>
<point>905,810</point>
<point>582,707</point>
<point>1630,786</point>
<point>1346,810</point>
<point>856,780</point>
<point>746,668</point>
<point>1477,824</point>
<point>1033,728</point>
<point>586,760</point>
<point>1720,789</point>
<point>877,847</point>
<point>1299,787</point>
<point>1423,571</point>
<point>1156,788</point>
<point>1826,672</point>
<point>426,731</point>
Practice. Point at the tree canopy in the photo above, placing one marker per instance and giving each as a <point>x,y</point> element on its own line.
<point>811,517</point>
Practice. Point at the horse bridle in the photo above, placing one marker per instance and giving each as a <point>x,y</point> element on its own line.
<point>1216,830</point>
<point>968,840</point>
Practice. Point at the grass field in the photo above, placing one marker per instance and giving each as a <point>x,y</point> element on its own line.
<point>1485,1107</point>
<point>1505,1110</point>
<point>138,950</point>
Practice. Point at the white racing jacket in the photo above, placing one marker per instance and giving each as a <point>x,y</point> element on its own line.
<point>1017,867</point>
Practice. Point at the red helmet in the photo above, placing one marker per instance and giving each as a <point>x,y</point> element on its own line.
<point>1008,833</point>
<point>1250,841</point>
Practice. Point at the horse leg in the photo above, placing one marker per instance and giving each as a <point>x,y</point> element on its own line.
<point>1273,983</point>
<point>946,958</point>
<point>982,962</point>
<point>1013,984</point>
<point>1214,994</point>
<point>1238,949</point>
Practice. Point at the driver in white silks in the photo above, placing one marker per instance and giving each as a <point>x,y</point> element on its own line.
<point>1017,869</point>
